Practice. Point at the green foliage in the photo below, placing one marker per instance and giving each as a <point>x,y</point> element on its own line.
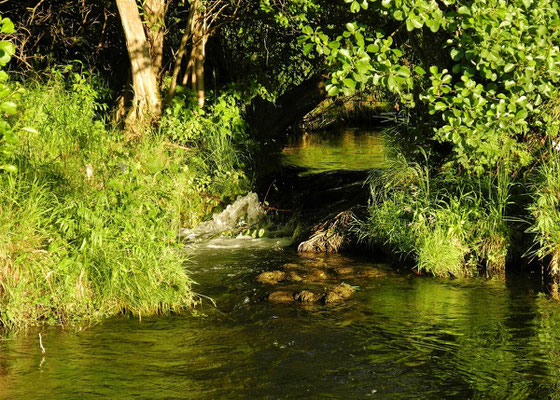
<point>216,139</point>
<point>450,225</point>
<point>545,209</point>
<point>88,225</point>
<point>8,96</point>
<point>489,93</point>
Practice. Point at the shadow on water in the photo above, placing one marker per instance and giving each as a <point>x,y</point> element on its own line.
<point>399,337</point>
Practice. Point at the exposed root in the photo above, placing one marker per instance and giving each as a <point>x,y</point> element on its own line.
<point>330,236</point>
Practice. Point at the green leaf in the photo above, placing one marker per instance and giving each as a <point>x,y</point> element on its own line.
<point>307,48</point>
<point>409,25</point>
<point>332,90</point>
<point>351,27</point>
<point>433,25</point>
<point>9,168</point>
<point>8,107</point>
<point>521,114</point>
<point>398,15</point>
<point>419,70</point>
<point>456,54</point>
<point>7,50</point>
<point>29,130</point>
<point>440,106</point>
<point>7,26</point>
<point>350,83</point>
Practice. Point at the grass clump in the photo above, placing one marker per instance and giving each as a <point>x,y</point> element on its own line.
<point>545,209</point>
<point>88,224</point>
<point>452,226</point>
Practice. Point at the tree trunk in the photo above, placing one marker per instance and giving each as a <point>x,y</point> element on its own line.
<point>187,34</point>
<point>155,18</point>
<point>147,101</point>
<point>198,54</point>
<point>199,59</point>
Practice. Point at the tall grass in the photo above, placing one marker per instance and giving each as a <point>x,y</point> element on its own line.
<point>88,225</point>
<point>545,209</point>
<point>452,226</point>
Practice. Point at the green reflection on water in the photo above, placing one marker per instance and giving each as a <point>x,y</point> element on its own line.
<point>345,148</point>
<point>400,337</point>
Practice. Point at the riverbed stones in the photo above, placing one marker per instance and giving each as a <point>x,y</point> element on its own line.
<point>317,275</point>
<point>307,296</point>
<point>271,277</point>
<point>370,273</point>
<point>281,296</point>
<point>343,271</point>
<point>339,293</point>
<point>292,266</point>
<point>294,276</point>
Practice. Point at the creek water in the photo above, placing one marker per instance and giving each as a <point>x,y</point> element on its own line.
<point>399,336</point>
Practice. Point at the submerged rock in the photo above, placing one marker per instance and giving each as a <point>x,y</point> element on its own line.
<point>281,296</point>
<point>292,266</point>
<point>330,236</point>
<point>339,293</point>
<point>271,277</point>
<point>294,276</point>
<point>307,296</point>
<point>317,275</point>
<point>370,273</point>
<point>344,271</point>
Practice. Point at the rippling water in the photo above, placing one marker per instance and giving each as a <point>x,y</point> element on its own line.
<point>401,336</point>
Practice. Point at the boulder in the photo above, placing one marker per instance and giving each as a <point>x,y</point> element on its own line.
<point>307,296</point>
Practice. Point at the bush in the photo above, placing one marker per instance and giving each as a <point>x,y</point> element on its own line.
<point>88,225</point>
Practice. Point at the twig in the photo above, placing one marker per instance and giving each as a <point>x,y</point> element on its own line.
<point>268,191</point>
<point>179,146</point>
<point>275,209</point>
<point>41,344</point>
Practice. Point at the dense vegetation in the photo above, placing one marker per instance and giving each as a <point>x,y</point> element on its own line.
<point>481,79</point>
<point>102,164</point>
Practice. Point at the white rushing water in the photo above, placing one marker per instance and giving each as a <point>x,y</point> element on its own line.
<point>244,212</point>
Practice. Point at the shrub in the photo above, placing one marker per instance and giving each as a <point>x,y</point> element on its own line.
<point>88,225</point>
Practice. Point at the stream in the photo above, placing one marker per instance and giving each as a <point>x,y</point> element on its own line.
<point>400,336</point>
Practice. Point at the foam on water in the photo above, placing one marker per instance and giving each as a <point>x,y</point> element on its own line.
<point>244,212</point>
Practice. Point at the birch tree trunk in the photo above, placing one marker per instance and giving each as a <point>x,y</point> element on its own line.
<point>147,101</point>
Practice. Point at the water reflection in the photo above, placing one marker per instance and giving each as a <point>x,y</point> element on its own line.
<point>344,148</point>
<point>400,337</point>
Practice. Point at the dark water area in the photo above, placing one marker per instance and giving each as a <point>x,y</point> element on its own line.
<point>400,336</point>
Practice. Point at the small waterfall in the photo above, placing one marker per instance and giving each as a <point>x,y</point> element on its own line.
<point>243,213</point>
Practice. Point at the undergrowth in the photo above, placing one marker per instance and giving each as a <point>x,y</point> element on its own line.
<point>88,225</point>
<point>451,226</point>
